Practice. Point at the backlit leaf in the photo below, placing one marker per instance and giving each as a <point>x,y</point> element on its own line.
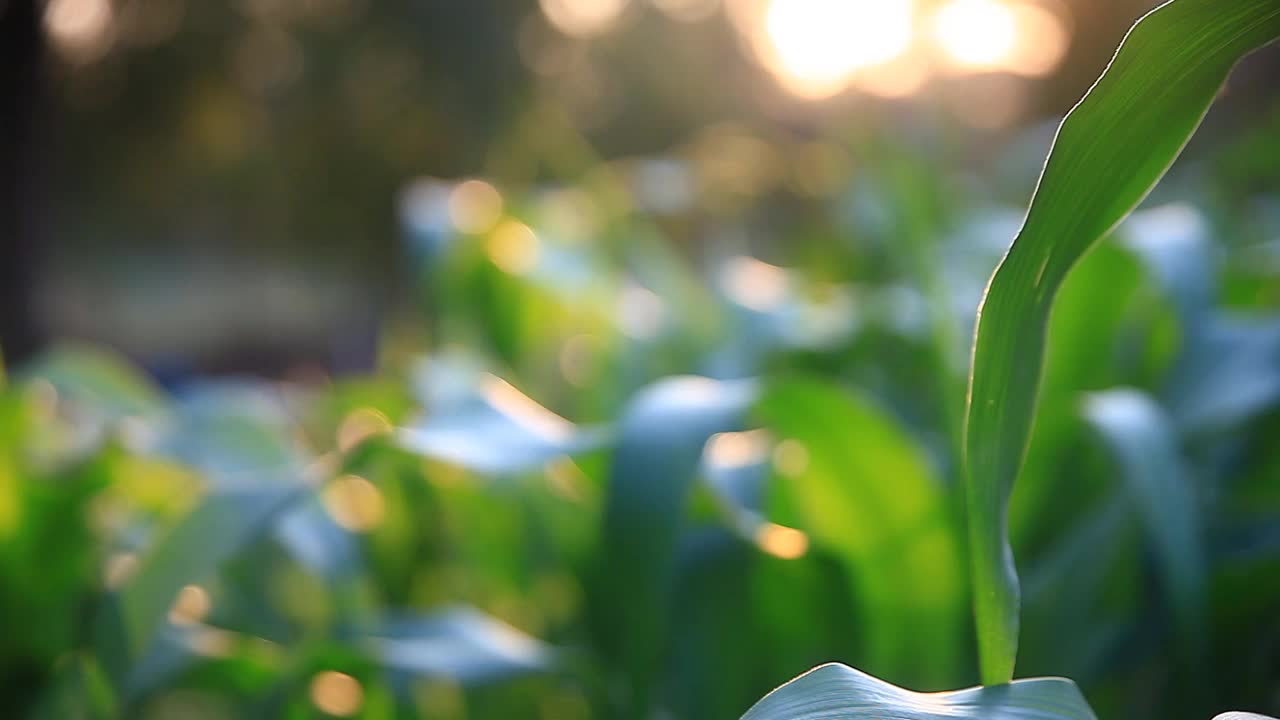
<point>1109,152</point>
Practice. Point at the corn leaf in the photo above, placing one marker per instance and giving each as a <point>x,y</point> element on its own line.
<point>1109,152</point>
<point>225,521</point>
<point>839,691</point>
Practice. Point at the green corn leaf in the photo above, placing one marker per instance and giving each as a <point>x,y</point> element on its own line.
<point>1109,152</point>
<point>839,691</point>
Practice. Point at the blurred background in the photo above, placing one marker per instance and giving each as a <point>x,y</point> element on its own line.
<point>603,358</point>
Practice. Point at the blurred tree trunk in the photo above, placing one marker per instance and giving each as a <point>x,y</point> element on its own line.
<point>20,100</point>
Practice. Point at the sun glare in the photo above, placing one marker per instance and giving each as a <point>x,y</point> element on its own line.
<point>816,45</point>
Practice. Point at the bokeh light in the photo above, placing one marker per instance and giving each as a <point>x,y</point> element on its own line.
<point>81,30</point>
<point>781,541</point>
<point>736,449</point>
<point>754,284</point>
<point>513,247</point>
<point>354,503</point>
<point>190,606</point>
<point>976,34</point>
<point>1043,39</point>
<point>475,206</point>
<point>582,17</point>
<point>335,693</point>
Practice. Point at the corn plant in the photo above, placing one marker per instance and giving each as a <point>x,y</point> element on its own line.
<point>1109,153</point>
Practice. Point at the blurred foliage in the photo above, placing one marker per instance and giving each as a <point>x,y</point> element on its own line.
<point>438,540</point>
<point>657,433</point>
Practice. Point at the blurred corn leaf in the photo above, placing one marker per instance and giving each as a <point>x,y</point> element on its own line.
<point>1228,368</point>
<point>224,521</point>
<point>483,423</point>
<point>840,691</point>
<point>79,690</point>
<point>1164,499</point>
<point>1109,152</point>
<point>99,380</point>
<point>869,494</point>
<point>458,643</point>
<point>660,444</point>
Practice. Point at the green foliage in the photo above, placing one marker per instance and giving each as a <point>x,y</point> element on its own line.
<point>622,482</point>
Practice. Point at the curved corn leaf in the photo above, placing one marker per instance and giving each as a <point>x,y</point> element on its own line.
<point>1240,715</point>
<point>839,691</point>
<point>1109,152</point>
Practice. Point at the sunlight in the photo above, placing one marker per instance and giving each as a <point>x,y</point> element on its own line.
<point>976,34</point>
<point>817,44</point>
